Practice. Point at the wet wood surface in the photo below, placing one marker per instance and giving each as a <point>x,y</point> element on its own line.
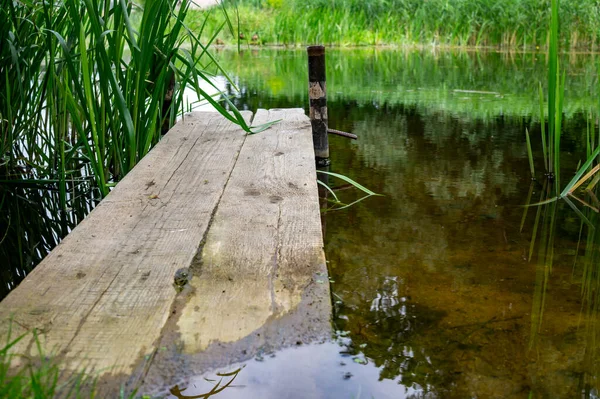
<point>240,211</point>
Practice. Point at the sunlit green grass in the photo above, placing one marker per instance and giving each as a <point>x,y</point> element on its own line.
<point>506,23</point>
<point>39,376</point>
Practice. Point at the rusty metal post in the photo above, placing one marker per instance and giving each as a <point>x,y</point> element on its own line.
<point>317,96</point>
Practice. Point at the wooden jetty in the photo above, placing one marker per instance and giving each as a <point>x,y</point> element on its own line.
<point>241,212</point>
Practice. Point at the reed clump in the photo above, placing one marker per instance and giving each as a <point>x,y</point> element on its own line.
<point>586,176</point>
<point>505,23</point>
<point>88,86</point>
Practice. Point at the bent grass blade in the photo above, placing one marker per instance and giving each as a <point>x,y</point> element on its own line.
<point>349,180</point>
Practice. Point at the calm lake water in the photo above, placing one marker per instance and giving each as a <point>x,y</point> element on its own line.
<point>445,286</point>
<point>433,286</point>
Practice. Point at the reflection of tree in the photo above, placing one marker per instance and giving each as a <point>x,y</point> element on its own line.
<point>464,159</point>
<point>388,333</point>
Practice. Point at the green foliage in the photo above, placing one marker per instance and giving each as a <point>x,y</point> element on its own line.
<point>552,142</point>
<point>89,85</point>
<point>515,23</point>
<point>39,376</point>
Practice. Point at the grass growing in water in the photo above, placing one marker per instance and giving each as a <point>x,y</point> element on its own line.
<point>584,203</point>
<point>514,23</point>
<point>551,142</point>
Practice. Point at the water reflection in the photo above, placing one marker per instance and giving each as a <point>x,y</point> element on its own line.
<point>308,371</point>
<point>584,274</point>
<point>436,283</point>
<point>470,85</point>
<point>433,281</point>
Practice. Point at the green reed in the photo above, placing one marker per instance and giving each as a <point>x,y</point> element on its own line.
<point>90,85</point>
<point>581,196</point>
<point>514,23</point>
<point>551,138</point>
<point>556,86</point>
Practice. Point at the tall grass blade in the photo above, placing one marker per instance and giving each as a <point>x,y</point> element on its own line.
<point>525,211</point>
<point>553,79</point>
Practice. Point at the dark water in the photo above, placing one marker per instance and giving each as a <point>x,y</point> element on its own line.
<point>33,222</point>
<point>443,287</point>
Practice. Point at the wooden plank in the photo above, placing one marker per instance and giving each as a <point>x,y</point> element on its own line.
<point>265,241</point>
<point>103,295</point>
<point>262,278</point>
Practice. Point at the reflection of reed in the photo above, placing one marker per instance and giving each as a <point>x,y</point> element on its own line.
<point>590,291</point>
<point>418,78</point>
<point>544,225</point>
<point>33,220</point>
<point>586,265</point>
<point>334,200</point>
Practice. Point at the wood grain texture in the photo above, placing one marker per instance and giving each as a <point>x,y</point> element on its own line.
<point>103,295</point>
<point>265,245</point>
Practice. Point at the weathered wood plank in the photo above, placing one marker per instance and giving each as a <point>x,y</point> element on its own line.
<point>265,242</point>
<point>262,278</point>
<point>103,295</point>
